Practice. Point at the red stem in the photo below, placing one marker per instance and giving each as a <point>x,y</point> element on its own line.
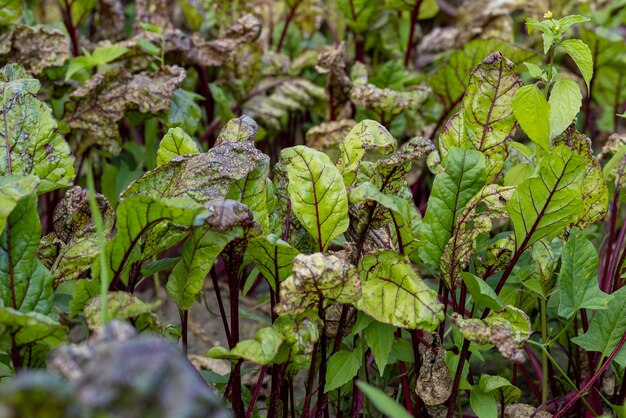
<point>283,34</point>
<point>409,48</point>
<point>255,394</point>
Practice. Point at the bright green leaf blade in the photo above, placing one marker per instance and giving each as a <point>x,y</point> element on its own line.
<point>184,112</point>
<point>503,390</point>
<point>483,403</point>
<point>607,328</point>
<point>578,279</point>
<point>394,294</point>
<point>464,176</point>
<point>25,329</point>
<point>262,349</point>
<point>25,284</point>
<point>11,12</point>
<point>175,143</point>
<point>581,54</point>
<point>532,111</point>
<point>30,132</point>
<point>483,295</point>
<point>565,101</point>
<point>252,192</point>
<point>544,204</point>
<point>272,256</point>
<point>485,120</point>
<point>12,190</point>
<point>382,401</point>
<point>317,192</point>
<point>380,339</point>
<point>343,366</point>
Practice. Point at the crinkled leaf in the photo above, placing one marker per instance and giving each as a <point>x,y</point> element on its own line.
<point>595,194</point>
<point>97,106</point>
<point>318,278</point>
<point>317,192</point>
<point>300,334</point>
<point>380,339</point>
<point>578,279</point>
<point>507,329</point>
<point>394,294</point>
<point>272,256</point>
<point>202,248</point>
<point>548,201</point>
<point>121,306</point>
<point>34,48</point>
<point>464,176</point>
<point>29,130</point>
<point>607,328</point>
<point>25,284</point>
<point>175,143</point>
<point>262,349</point>
<point>135,217</point>
<point>581,54</point>
<point>343,366</point>
<point>485,120</point>
<point>12,190</point>
<point>389,102</point>
<point>242,129</point>
<point>329,134</point>
<point>476,219</point>
<point>565,101</point>
<point>532,111</point>
<point>367,135</point>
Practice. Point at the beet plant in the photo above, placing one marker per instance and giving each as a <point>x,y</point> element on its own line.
<point>375,209</point>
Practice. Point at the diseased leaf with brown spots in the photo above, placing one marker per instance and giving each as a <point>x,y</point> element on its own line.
<point>316,279</point>
<point>96,107</point>
<point>123,306</point>
<point>34,48</point>
<point>329,134</point>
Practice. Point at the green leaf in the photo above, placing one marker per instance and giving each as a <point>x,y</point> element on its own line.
<point>135,217</point>
<point>252,192</point>
<point>382,401</point>
<point>581,54</point>
<point>25,330</point>
<point>578,278</point>
<point>30,132</point>
<point>343,366</point>
<point>12,190</point>
<point>504,391</point>
<point>25,284</point>
<point>476,218</point>
<point>367,135</point>
<point>318,278</point>
<point>175,143</point>
<point>380,339</point>
<point>508,329</point>
<point>607,328</point>
<point>483,403</point>
<point>464,176</point>
<point>483,295</point>
<point>565,101</point>
<point>272,256</point>
<point>317,192</point>
<point>184,112</point>
<point>532,111</point>
<point>485,120</point>
<point>595,193</point>
<point>548,201</point>
<point>534,70</point>
<point>394,294</point>
<point>122,306</point>
<point>262,349</point>
<point>11,12</point>
<point>202,248</point>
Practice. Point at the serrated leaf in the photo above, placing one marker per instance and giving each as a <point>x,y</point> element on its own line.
<point>545,203</point>
<point>367,135</point>
<point>380,339</point>
<point>317,192</point>
<point>486,119</point>
<point>272,256</point>
<point>507,329</point>
<point>581,54</point>
<point>135,217</point>
<point>476,218</point>
<point>318,278</point>
<point>29,132</point>
<point>202,248</point>
<point>565,101</point>
<point>175,143</point>
<point>343,366</point>
<point>12,190</point>
<point>578,278</point>
<point>607,328</point>
<point>595,194</point>
<point>25,284</point>
<point>532,111</point>
<point>464,176</point>
<point>394,294</point>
